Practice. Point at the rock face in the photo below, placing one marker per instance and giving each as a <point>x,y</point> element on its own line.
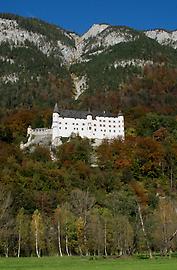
<point>98,36</point>
<point>71,47</point>
<point>16,34</point>
<point>163,37</point>
<point>102,49</point>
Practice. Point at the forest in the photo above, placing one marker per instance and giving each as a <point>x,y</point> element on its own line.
<point>124,193</point>
<point>117,199</point>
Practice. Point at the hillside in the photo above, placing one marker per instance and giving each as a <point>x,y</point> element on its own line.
<point>42,63</point>
<point>125,193</point>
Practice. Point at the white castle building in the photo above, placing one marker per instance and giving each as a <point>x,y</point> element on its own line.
<point>66,123</point>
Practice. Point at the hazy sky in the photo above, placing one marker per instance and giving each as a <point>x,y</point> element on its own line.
<point>79,15</point>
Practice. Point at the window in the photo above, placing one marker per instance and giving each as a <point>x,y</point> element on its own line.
<point>114,121</point>
<point>114,131</point>
<point>94,125</point>
<point>95,129</point>
<point>73,123</point>
<point>109,125</point>
<point>83,124</point>
<point>90,128</point>
<point>76,124</point>
<point>82,129</point>
<point>103,125</point>
<point>109,130</point>
<point>65,127</point>
<point>100,125</point>
<point>114,126</point>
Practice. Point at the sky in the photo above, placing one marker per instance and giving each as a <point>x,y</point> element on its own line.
<point>79,15</point>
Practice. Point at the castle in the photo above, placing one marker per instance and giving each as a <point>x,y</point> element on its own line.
<point>66,123</point>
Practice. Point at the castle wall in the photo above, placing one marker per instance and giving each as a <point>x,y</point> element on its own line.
<point>41,131</point>
<point>92,128</point>
<point>84,124</point>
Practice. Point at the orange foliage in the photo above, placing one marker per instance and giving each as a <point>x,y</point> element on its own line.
<point>140,192</point>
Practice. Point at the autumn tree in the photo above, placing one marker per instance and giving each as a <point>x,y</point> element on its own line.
<point>22,228</point>
<point>165,219</point>
<point>37,228</point>
<point>81,204</point>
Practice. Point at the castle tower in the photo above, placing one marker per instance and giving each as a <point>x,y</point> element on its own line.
<point>121,125</point>
<point>55,124</point>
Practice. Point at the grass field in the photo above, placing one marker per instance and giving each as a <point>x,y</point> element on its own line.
<point>76,263</point>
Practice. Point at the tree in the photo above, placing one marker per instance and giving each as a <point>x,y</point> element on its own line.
<point>122,236</point>
<point>95,227</point>
<point>22,227</point>
<point>77,149</point>
<point>5,204</point>
<point>81,203</point>
<point>80,227</point>
<point>165,219</point>
<point>106,216</point>
<point>58,220</point>
<point>37,228</point>
<point>68,221</point>
<point>142,203</point>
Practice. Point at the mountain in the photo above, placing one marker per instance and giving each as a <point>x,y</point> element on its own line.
<point>41,63</point>
<point>163,37</point>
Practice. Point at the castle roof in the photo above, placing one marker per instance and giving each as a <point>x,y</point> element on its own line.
<point>83,114</point>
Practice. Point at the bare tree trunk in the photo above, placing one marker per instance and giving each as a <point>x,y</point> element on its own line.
<point>85,223</point>
<point>7,252</point>
<point>120,252</point>
<point>168,245</point>
<point>66,241</point>
<point>36,240</point>
<point>19,243</point>
<point>98,251</point>
<point>105,239</point>
<point>85,243</point>
<point>144,231</point>
<point>59,239</point>
<point>80,250</point>
<point>172,236</point>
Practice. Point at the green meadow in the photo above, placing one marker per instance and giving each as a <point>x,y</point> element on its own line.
<point>77,263</point>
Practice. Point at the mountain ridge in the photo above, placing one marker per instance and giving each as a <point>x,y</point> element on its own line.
<point>74,45</point>
<point>53,63</point>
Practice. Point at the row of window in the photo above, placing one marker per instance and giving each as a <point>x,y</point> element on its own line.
<point>83,124</point>
<point>100,120</point>
<point>94,130</point>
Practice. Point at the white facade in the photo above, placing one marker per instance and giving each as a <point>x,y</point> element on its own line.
<point>91,125</point>
<point>86,124</point>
